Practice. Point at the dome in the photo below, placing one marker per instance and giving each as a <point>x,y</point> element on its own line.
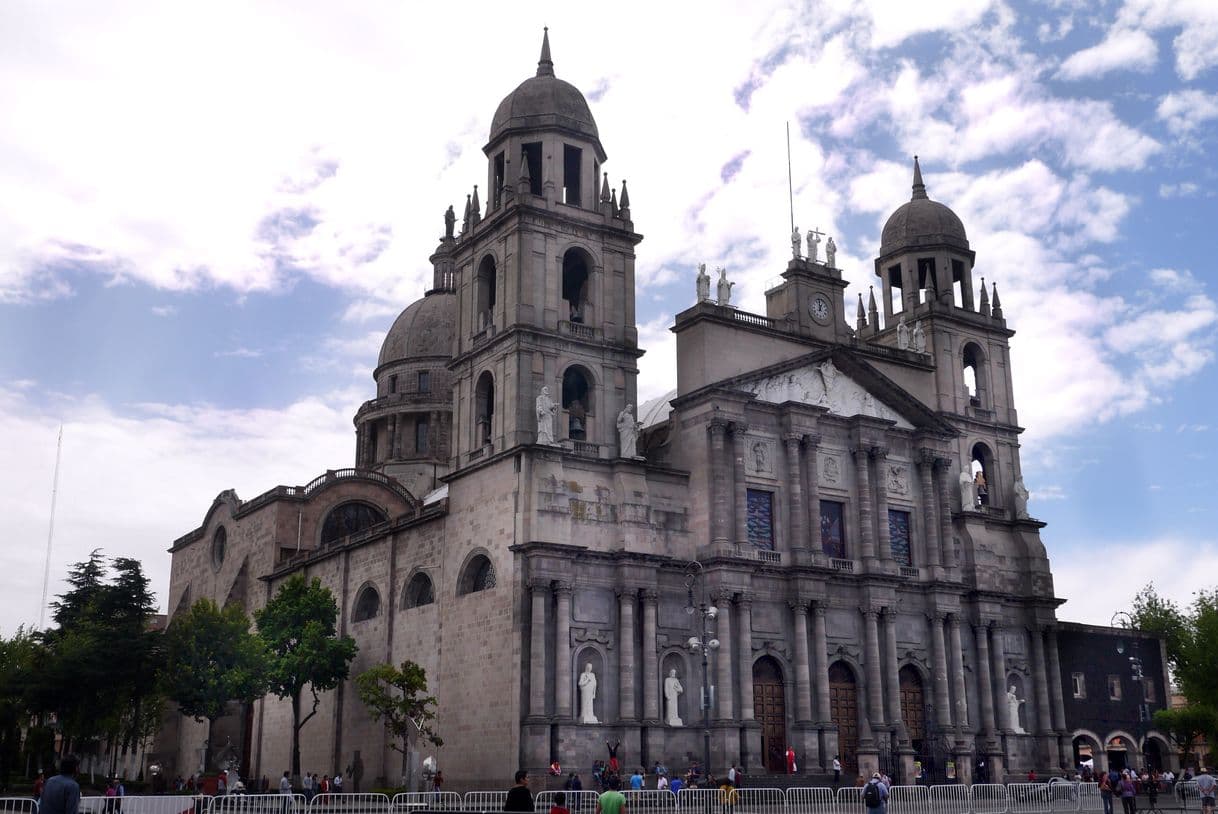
<point>426,328</point>
<point>922,222</point>
<point>545,100</point>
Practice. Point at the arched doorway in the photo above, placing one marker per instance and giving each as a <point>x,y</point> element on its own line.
<point>844,709</point>
<point>1087,752</point>
<point>1120,753</point>
<point>770,710</point>
<point>1152,754</point>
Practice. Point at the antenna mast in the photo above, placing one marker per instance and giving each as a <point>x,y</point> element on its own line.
<point>790,182</point>
<point>46,571</point>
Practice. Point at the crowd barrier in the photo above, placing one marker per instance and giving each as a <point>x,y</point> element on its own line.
<point>981,798</point>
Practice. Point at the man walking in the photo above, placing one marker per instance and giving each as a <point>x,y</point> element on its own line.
<point>875,794</point>
<point>61,794</point>
<point>519,798</point>
<point>611,801</point>
<point>1205,789</point>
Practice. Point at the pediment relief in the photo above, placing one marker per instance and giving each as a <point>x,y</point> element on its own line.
<point>823,385</point>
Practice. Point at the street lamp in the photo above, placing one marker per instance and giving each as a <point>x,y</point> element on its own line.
<point>702,645</point>
<point>1135,667</point>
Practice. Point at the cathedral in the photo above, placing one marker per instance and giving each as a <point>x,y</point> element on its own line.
<point>818,541</point>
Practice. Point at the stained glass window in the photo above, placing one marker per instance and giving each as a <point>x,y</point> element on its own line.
<point>761,518</point>
<point>348,519</point>
<point>832,529</point>
<point>898,534</point>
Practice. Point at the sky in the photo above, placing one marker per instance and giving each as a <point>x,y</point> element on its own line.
<point>211,213</point>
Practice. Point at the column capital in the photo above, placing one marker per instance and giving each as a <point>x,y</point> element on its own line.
<point>869,613</point>
<point>953,619</point>
<point>717,426</point>
<point>650,596</point>
<point>889,612</point>
<point>862,451</point>
<point>943,463</point>
<point>723,597</point>
<point>563,587</point>
<point>927,456</point>
<point>626,592</point>
<point>745,601</point>
<point>539,585</point>
<point>936,616</point>
<point>880,453</point>
<point>812,440</point>
<point>793,438</point>
<point>739,428</point>
<point>819,609</point>
<point>798,606</point>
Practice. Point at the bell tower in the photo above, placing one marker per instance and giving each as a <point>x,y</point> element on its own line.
<point>545,281</point>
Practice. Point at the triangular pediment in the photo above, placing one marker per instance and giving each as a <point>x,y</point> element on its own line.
<point>823,384</point>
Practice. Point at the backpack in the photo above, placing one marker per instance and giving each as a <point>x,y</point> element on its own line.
<point>871,795</point>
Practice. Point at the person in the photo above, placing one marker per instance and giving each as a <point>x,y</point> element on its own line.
<point>611,801</point>
<point>837,770</point>
<point>306,785</point>
<point>1106,792</point>
<point>555,767</point>
<point>111,793</point>
<point>573,783</point>
<point>728,796</point>
<point>1205,790</point>
<point>560,804</point>
<point>39,782</point>
<point>221,784</point>
<point>875,794</point>
<point>1031,775</point>
<point>61,794</point>
<point>519,798</point>
<point>285,784</point>
<point>338,782</point>
<point>437,781</point>
<point>661,782</point>
<point>675,785</point>
<point>1129,793</point>
<point>791,767</point>
<point>983,492</point>
<point>636,780</point>
<point>614,766</point>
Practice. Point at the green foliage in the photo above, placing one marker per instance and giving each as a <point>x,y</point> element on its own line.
<point>395,696</point>
<point>1185,724</point>
<point>17,658</point>
<point>298,630</point>
<point>211,658</point>
<point>1190,637</point>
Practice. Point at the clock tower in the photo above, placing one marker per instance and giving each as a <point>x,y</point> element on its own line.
<point>810,300</point>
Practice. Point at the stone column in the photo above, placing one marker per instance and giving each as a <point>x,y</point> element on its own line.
<point>1055,695</point>
<point>820,663</point>
<point>742,501</point>
<point>393,437</point>
<point>947,550</point>
<point>811,444</point>
<point>562,653</point>
<point>723,663</point>
<point>998,658</point>
<point>884,545</point>
<point>626,707</point>
<point>875,685</point>
<point>803,682</point>
<point>943,704</point>
<point>960,711</point>
<point>985,680</point>
<point>893,694</point>
<point>745,606</point>
<point>862,461</point>
<point>930,527</point>
<point>651,665</point>
<point>537,654</point>
<point>1040,678</point>
<point>795,493</point>
<point>717,461</point>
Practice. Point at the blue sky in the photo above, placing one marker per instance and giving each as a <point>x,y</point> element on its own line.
<point>210,216</point>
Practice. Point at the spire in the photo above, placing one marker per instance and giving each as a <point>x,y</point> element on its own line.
<point>545,65</point>
<point>465,222</point>
<point>997,303</point>
<point>873,314</point>
<point>625,196</point>
<point>476,211</point>
<point>613,203</point>
<point>919,188</point>
<point>525,182</point>
<point>605,189</point>
<point>984,307</point>
<point>862,314</point>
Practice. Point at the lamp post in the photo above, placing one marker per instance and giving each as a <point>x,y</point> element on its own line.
<point>702,645</point>
<point>1135,666</point>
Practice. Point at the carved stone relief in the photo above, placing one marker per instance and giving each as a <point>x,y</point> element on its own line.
<point>825,386</point>
<point>759,456</point>
<point>830,469</point>
<point>897,478</point>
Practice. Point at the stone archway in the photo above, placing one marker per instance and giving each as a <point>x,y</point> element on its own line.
<point>770,710</point>
<point>844,709</point>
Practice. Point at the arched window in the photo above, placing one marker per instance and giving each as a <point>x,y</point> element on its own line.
<point>577,401</point>
<point>575,273</point>
<point>348,518</point>
<point>219,546</point>
<point>479,575</point>
<point>367,604</point>
<point>484,408</point>
<point>485,292</point>
<point>982,468</point>
<point>973,360</point>
<point>419,592</point>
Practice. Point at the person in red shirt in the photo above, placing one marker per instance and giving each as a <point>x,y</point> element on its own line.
<point>39,782</point>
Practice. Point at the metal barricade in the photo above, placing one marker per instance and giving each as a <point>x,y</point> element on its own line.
<point>812,800</point>
<point>1063,797</point>
<point>1028,798</point>
<point>850,800</point>
<point>1186,792</point>
<point>761,801</point>
<point>430,800</point>
<point>485,800</point>
<point>1089,797</point>
<point>698,801</point>
<point>350,803</point>
<point>909,800</point>
<point>577,802</point>
<point>659,801</point>
<point>952,799</point>
<point>258,804</point>
<point>18,805</point>
<point>989,798</point>
<point>163,804</point>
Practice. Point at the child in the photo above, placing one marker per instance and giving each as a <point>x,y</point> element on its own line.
<point>560,804</point>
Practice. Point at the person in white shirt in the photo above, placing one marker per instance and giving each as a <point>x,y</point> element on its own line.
<point>285,784</point>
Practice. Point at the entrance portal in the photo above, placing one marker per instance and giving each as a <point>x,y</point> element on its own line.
<point>770,710</point>
<point>844,708</point>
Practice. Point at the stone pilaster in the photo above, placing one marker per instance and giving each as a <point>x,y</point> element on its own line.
<point>1055,689</point>
<point>985,680</point>
<point>393,437</point>
<point>943,704</point>
<point>956,651</point>
<point>626,707</point>
<point>795,493</point>
<point>739,431</point>
<point>998,660</point>
<point>811,450</point>
<point>1040,680</point>
<point>820,662</point>
<point>862,469</point>
<point>875,680</point>
<point>892,674</point>
<point>879,457</point>
<point>745,607</point>
<point>930,526</point>
<point>723,659</point>
<point>562,653</point>
<point>537,655</point>
<point>719,500</point>
<point>947,549</point>
<point>803,682</point>
<point>651,666</point>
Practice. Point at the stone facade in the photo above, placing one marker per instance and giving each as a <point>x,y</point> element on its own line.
<point>820,470</point>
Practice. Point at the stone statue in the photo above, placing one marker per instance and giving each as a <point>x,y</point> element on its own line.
<point>918,338</point>
<point>450,221</point>
<point>813,244</point>
<point>795,242</point>
<point>703,284</point>
<point>725,288</point>
<point>1021,500</point>
<point>902,334</point>
<point>968,500</point>
<point>1013,705</point>
<point>587,694</point>
<point>759,456</point>
<point>628,433</point>
<point>546,410</point>
<point>828,378</point>
<point>831,254</point>
<point>672,692</point>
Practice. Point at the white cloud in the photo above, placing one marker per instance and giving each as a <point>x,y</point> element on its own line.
<point>1120,50</point>
<point>1184,189</point>
<point>1196,21</point>
<point>164,310</point>
<point>239,353</point>
<point>1187,110</point>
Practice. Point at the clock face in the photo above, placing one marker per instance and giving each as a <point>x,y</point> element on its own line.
<point>819,309</point>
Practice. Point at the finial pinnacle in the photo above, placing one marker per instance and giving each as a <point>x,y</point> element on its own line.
<point>919,188</point>
<point>545,65</point>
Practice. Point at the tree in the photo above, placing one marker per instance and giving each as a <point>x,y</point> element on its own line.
<point>394,695</point>
<point>1190,637</point>
<point>1185,724</point>
<point>297,628</point>
<point>17,658</point>
<point>211,658</point>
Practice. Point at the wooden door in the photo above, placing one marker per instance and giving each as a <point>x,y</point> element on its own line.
<point>844,707</point>
<point>770,710</point>
<point>913,705</point>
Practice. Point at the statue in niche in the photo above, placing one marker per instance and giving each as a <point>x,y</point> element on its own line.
<point>450,221</point>
<point>1021,500</point>
<point>759,455</point>
<point>587,694</point>
<point>813,244</point>
<point>831,254</point>
<point>672,693</point>
<point>918,338</point>
<point>546,410</point>
<point>628,433</point>
<point>795,242</point>
<point>1013,705</point>
<point>703,284</point>
<point>968,500</point>
<point>725,288</point>
<point>902,334</point>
